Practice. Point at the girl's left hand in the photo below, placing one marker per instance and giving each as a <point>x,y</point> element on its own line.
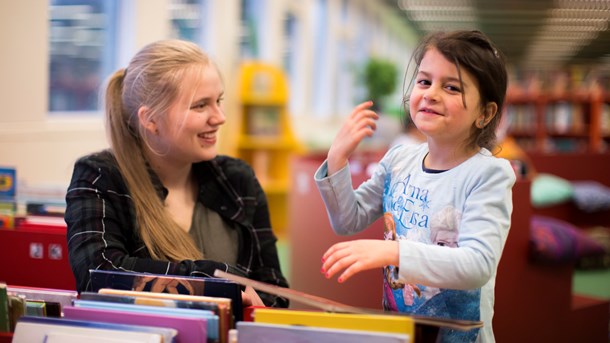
<point>356,256</point>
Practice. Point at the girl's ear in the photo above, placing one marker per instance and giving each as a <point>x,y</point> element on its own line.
<point>489,112</point>
<point>144,117</point>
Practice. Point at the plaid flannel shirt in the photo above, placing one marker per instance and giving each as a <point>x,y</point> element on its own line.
<point>102,228</point>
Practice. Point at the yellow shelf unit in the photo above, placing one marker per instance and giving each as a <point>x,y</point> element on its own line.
<point>265,138</point>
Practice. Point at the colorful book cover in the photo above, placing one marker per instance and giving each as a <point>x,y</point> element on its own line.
<point>253,332</point>
<point>49,295</point>
<point>202,286</point>
<point>211,319</point>
<point>348,321</point>
<point>8,209</point>
<point>224,305</point>
<point>71,337</point>
<point>189,329</point>
<point>16,305</point>
<point>36,308</point>
<point>8,182</point>
<point>137,300</point>
<point>36,329</point>
<point>5,322</point>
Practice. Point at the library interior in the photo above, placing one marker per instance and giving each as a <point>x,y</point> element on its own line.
<point>292,73</point>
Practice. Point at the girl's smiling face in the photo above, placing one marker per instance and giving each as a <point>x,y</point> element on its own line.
<point>188,133</point>
<point>443,105</point>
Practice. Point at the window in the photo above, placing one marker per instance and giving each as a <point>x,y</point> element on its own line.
<point>322,59</point>
<point>251,15</point>
<point>82,52</point>
<point>186,19</point>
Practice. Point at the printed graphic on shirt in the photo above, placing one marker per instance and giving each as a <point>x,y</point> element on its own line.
<point>414,212</point>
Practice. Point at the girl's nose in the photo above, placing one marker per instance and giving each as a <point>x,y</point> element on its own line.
<point>431,94</point>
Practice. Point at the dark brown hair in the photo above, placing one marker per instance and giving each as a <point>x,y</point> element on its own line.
<point>473,51</point>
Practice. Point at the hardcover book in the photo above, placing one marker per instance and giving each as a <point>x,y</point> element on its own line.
<point>139,300</point>
<point>37,330</point>
<point>224,305</point>
<point>253,332</point>
<point>144,282</point>
<point>189,329</point>
<point>5,321</point>
<point>48,295</point>
<point>333,320</point>
<point>211,319</point>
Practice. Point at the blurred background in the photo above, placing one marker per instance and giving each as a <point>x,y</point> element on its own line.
<point>293,70</point>
<point>57,54</point>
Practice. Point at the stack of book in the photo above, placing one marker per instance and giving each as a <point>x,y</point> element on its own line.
<point>139,307</point>
<point>20,301</point>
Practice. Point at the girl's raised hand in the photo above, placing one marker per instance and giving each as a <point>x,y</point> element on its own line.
<point>356,256</point>
<point>362,122</point>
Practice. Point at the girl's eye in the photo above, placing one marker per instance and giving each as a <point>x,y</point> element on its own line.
<point>454,88</point>
<point>219,101</point>
<point>198,106</point>
<point>423,82</point>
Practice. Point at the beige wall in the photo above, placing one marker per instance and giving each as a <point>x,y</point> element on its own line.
<point>43,148</point>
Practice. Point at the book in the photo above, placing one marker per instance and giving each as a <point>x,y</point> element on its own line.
<point>201,286</point>
<point>42,308</point>
<point>138,300</point>
<point>5,321</point>
<point>210,319</point>
<point>46,208</point>
<point>329,305</point>
<point>254,332</point>
<point>35,308</point>
<point>189,329</point>
<point>224,305</point>
<point>48,295</point>
<point>349,321</point>
<point>36,329</point>
<point>8,182</point>
<point>8,210</point>
<point>69,337</point>
<point>16,304</point>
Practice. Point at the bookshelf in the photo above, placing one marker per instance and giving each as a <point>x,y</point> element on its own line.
<point>552,122</point>
<point>265,139</point>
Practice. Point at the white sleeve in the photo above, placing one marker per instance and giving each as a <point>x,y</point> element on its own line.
<point>483,231</point>
<point>350,211</point>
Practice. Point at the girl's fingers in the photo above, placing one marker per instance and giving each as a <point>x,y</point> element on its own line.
<point>338,257</point>
<point>361,106</point>
<point>353,268</point>
<point>341,264</point>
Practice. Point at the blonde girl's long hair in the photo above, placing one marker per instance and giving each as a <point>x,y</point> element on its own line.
<point>153,79</point>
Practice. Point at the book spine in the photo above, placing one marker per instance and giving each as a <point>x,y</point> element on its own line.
<point>16,309</point>
<point>5,322</point>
